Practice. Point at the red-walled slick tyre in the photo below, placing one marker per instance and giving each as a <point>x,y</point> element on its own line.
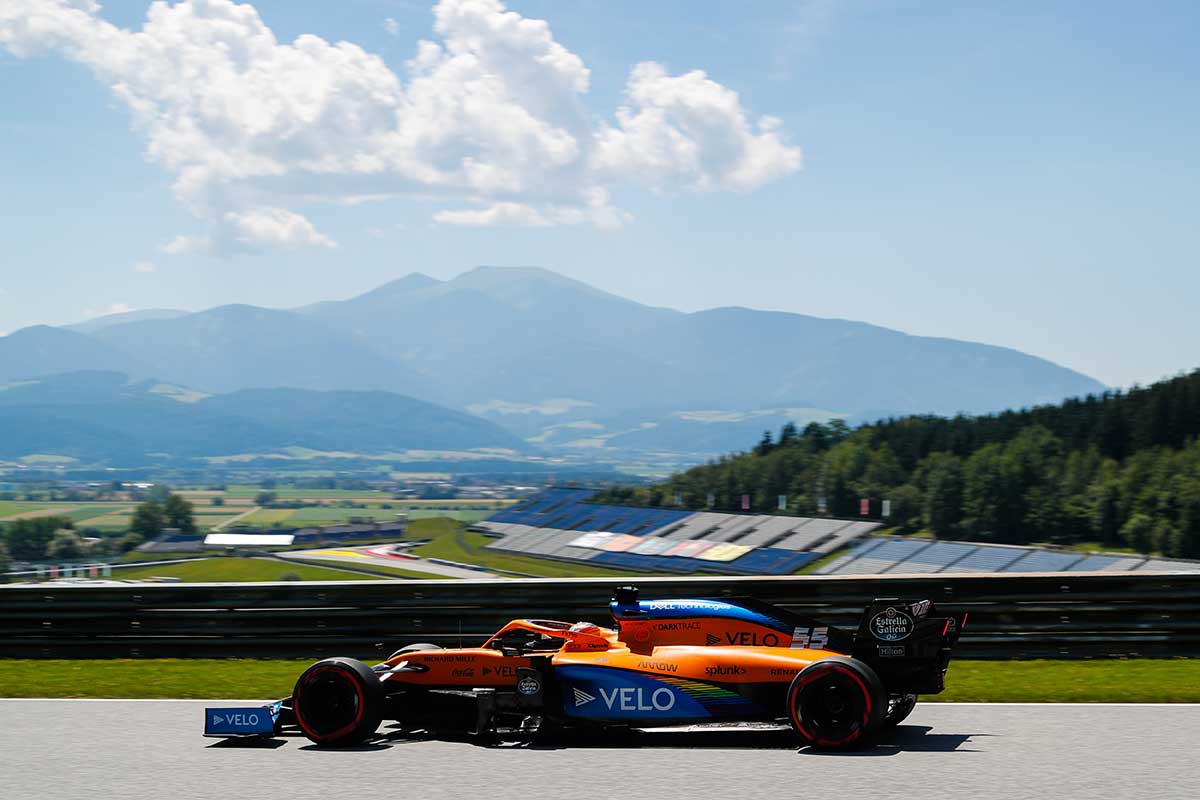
<point>836,703</point>
<point>338,702</point>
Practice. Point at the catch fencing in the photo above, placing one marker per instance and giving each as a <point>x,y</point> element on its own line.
<point>1052,615</point>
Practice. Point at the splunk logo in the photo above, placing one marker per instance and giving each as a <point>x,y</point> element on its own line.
<point>628,698</point>
<point>724,669</point>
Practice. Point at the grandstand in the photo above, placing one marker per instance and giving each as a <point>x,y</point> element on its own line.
<point>896,555</point>
<point>561,524</point>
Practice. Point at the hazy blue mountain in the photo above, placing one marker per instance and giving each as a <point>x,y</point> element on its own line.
<point>366,422</point>
<point>551,358</point>
<point>103,416</point>
<point>237,346</point>
<point>108,320</point>
<point>524,334</point>
<point>783,359</point>
<point>43,350</point>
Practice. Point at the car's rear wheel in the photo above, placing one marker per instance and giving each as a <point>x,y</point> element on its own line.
<point>338,702</point>
<point>836,702</point>
<point>898,708</point>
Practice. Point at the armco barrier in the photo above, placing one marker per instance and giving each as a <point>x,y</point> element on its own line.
<point>1052,615</point>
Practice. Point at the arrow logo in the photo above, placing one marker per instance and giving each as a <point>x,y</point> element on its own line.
<point>216,720</point>
<point>581,697</point>
<point>710,640</point>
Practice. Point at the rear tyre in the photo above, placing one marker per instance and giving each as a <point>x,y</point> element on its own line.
<point>899,706</point>
<point>836,703</point>
<point>338,702</point>
<point>414,648</point>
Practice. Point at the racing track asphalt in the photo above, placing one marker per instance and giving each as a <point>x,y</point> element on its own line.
<point>153,749</point>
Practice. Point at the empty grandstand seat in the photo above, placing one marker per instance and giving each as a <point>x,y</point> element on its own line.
<point>1102,563</point>
<point>987,559</point>
<point>935,557</point>
<point>1043,561</point>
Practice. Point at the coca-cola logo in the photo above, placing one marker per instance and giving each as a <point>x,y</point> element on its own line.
<point>891,625</point>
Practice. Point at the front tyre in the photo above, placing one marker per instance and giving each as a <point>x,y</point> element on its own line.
<point>836,703</point>
<point>899,706</point>
<point>338,702</point>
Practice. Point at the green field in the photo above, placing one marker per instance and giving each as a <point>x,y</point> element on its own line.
<point>267,516</point>
<point>91,511</point>
<point>9,508</point>
<point>239,569</point>
<point>287,493</point>
<point>1148,681</point>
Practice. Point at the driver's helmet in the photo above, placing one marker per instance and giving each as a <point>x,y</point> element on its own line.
<point>585,627</point>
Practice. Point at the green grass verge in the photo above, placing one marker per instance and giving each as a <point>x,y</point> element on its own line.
<point>1118,681</point>
<point>152,678</point>
<point>451,542</point>
<point>385,571</point>
<point>1149,681</point>
<point>240,569</point>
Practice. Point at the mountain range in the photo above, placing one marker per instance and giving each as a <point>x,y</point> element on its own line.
<point>106,417</point>
<point>557,362</point>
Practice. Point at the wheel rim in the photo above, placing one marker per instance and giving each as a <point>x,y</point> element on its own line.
<point>832,707</point>
<point>330,704</point>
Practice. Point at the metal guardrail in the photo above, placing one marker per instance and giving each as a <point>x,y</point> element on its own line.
<point>1050,615</point>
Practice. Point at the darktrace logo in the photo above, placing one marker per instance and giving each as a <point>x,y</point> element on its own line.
<point>891,625</point>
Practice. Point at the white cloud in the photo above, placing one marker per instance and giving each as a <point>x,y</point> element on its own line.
<point>491,115</point>
<point>115,308</point>
<point>391,26</point>
<point>689,130</point>
<point>144,267</point>
<point>596,212</point>
<point>252,231</point>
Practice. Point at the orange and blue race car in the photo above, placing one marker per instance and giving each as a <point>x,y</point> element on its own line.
<point>663,663</point>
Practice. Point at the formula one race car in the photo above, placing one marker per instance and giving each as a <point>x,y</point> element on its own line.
<point>665,663</point>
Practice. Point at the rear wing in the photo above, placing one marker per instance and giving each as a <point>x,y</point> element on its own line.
<point>907,643</point>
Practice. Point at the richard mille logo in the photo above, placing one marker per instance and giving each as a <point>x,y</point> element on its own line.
<point>582,697</point>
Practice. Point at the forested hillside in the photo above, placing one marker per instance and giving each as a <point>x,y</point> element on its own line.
<point>1118,469</point>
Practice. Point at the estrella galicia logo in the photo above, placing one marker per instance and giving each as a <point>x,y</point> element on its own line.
<point>891,625</point>
<point>529,685</point>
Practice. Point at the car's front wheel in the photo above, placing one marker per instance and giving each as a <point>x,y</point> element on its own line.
<point>836,703</point>
<point>338,702</point>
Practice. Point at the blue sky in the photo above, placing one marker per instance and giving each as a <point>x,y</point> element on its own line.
<point>1022,174</point>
